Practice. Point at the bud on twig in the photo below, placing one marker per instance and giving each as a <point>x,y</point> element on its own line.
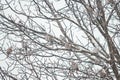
<point>68,45</point>
<point>24,45</point>
<point>49,38</point>
<point>90,9</point>
<point>9,51</point>
<point>110,1</point>
<point>103,73</point>
<point>62,38</point>
<point>74,66</point>
<point>95,50</point>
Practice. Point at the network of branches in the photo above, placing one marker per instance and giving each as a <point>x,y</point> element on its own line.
<point>59,39</point>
